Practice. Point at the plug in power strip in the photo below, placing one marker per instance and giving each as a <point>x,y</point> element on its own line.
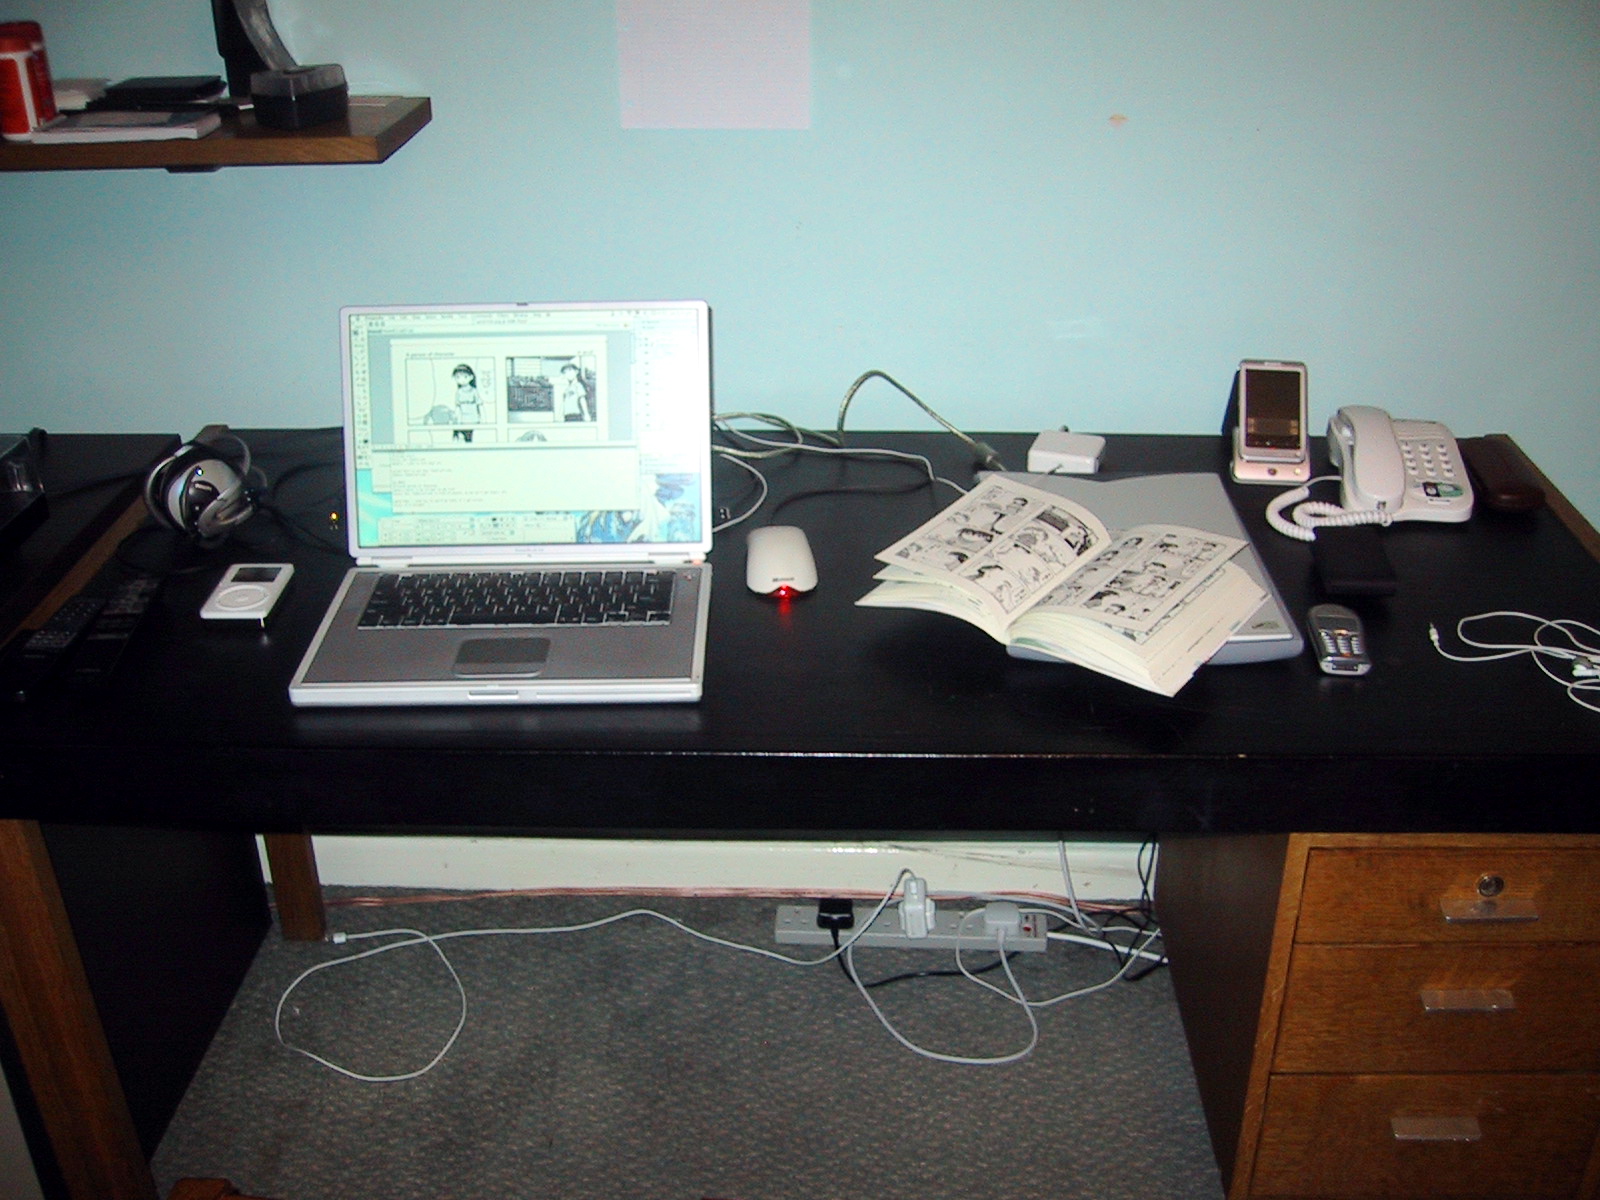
<point>797,926</point>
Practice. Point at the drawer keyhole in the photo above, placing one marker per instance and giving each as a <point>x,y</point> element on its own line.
<point>1488,903</point>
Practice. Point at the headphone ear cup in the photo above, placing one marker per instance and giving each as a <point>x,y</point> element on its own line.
<point>162,487</point>
<point>205,497</point>
<point>196,492</point>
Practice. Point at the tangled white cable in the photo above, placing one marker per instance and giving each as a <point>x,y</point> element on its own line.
<point>1081,929</point>
<point>415,937</point>
<point>1582,657</point>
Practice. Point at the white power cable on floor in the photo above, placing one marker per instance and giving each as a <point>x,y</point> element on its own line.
<point>1081,930</point>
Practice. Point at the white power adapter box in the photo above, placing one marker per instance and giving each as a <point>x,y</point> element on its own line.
<point>1057,452</point>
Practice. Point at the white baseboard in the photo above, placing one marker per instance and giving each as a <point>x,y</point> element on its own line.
<point>1100,870</point>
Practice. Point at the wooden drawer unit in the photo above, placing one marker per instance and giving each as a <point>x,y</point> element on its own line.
<point>1392,1015</point>
<point>1512,1136</point>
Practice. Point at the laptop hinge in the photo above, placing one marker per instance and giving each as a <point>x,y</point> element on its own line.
<point>403,564</point>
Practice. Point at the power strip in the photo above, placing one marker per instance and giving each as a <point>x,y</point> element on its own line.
<point>797,926</point>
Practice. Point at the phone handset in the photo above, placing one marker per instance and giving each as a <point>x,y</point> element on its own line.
<point>1362,444</point>
<point>1389,471</point>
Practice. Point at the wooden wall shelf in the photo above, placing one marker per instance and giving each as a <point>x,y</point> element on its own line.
<point>376,127</point>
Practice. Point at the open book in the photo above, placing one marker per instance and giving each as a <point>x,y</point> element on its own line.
<point>1148,606</point>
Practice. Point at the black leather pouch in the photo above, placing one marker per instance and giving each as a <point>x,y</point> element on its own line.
<point>1351,561</point>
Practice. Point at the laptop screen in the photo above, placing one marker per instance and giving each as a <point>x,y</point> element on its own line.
<point>515,432</point>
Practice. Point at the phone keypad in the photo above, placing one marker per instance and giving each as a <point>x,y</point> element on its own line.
<point>1432,466</point>
<point>1343,643</point>
<point>1427,459</point>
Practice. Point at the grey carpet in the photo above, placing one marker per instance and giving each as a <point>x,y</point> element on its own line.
<point>637,1062</point>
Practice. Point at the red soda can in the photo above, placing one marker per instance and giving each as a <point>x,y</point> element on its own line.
<point>27,98</point>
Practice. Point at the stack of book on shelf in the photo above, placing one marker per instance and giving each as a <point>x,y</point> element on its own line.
<point>1149,605</point>
<point>72,129</point>
<point>144,109</point>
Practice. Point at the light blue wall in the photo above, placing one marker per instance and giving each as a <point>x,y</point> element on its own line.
<point>1404,193</point>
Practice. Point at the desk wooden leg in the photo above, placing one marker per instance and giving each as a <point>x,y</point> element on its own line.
<point>296,888</point>
<point>57,1029</point>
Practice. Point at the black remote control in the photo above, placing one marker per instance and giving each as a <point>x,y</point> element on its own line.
<point>108,635</point>
<point>31,660</point>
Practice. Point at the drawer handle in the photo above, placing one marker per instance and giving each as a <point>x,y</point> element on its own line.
<point>1436,1129</point>
<point>1488,910</point>
<point>1467,1000</point>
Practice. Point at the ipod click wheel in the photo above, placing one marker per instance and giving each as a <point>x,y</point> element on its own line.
<point>247,592</point>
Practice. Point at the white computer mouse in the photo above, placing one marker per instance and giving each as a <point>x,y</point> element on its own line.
<point>778,561</point>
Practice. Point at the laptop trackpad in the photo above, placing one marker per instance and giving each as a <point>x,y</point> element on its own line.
<point>502,656</point>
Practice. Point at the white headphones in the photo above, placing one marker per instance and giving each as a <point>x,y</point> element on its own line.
<point>197,491</point>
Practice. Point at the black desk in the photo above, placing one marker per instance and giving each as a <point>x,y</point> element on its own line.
<point>821,719</point>
<point>827,719</point>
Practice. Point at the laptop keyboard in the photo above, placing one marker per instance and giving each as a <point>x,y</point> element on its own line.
<point>520,597</point>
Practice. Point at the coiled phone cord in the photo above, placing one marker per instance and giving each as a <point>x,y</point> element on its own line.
<point>1307,516</point>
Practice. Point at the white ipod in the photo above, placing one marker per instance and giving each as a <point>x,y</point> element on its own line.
<point>247,592</point>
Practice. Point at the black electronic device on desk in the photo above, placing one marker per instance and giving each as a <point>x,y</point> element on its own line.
<point>81,642</point>
<point>92,483</point>
<point>22,501</point>
<point>29,662</point>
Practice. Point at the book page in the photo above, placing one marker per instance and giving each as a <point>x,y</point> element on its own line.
<point>1004,544</point>
<point>1162,658</point>
<point>1142,576</point>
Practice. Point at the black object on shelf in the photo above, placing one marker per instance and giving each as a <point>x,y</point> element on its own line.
<point>159,92</point>
<point>301,97</point>
<point>285,95</point>
<point>248,42</point>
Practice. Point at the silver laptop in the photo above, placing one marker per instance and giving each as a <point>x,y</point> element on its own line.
<point>529,507</point>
